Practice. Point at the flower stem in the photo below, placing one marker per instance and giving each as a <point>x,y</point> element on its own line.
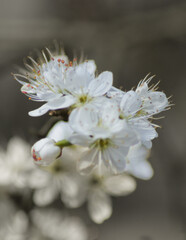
<point>63,143</point>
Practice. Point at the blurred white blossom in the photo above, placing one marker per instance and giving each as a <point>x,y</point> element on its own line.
<point>58,179</point>
<point>57,225</point>
<point>100,190</point>
<point>14,223</point>
<point>15,164</point>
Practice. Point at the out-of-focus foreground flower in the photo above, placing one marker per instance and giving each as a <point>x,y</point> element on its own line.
<point>15,164</point>
<point>39,224</point>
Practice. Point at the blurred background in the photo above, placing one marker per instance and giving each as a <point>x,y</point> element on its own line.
<point>130,38</point>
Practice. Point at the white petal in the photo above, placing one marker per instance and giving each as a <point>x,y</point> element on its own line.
<point>19,224</point>
<point>77,80</point>
<point>39,178</point>
<point>61,130</point>
<point>130,103</point>
<point>82,120</point>
<point>143,170</point>
<point>45,196</point>
<point>142,89</point>
<point>126,136</point>
<point>147,144</point>
<point>101,84</point>
<point>73,190</point>
<point>144,129</point>
<point>54,224</point>
<point>80,139</point>
<point>47,96</point>
<point>120,185</point>
<point>90,66</point>
<point>116,94</point>
<point>137,162</point>
<point>88,161</point>
<point>62,102</point>
<point>5,176</point>
<point>110,113</point>
<point>155,102</point>
<point>99,206</point>
<point>115,159</point>
<point>40,111</point>
<point>79,77</point>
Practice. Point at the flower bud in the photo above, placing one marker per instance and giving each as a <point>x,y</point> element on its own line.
<point>44,152</point>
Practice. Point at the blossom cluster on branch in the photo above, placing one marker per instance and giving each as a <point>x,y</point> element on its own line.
<point>108,123</point>
<point>99,144</point>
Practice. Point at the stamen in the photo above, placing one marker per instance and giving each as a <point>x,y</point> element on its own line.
<point>33,61</point>
<point>35,157</point>
<point>45,58</point>
<point>50,53</point>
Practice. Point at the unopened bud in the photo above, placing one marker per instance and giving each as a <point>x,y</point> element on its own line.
<point>45,151</point>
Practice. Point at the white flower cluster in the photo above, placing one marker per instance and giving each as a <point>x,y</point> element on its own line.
<point>38,224</point>
<point>107,122</point>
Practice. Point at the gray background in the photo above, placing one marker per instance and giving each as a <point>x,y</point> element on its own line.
<point>130,38</point>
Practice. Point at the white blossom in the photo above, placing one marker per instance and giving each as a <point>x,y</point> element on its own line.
<point>14,223</point>
<point>107,137</point>
<point>15,164</point>
<point>132,109</point>
<point>153,101</point>
<point>101,188</point>
<point>60,179</point>
<point>57,225</point>
<point>62,83</point>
